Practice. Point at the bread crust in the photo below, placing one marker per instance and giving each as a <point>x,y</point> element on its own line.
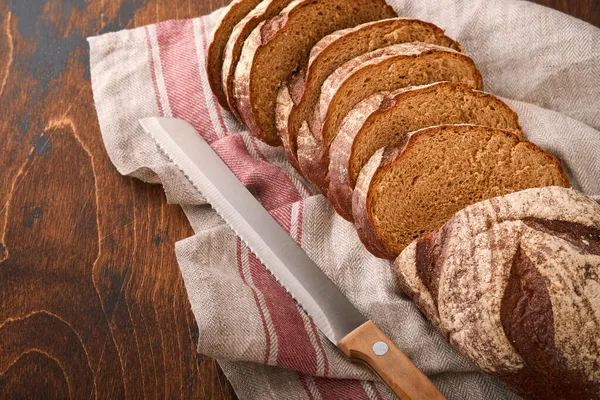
<point>336,80</point>
<point>343,147</point>
<point>360,203</point>
<point>525,257</point>
<point>312,148</point>
<point>214,59</point>
<point>285,103</point>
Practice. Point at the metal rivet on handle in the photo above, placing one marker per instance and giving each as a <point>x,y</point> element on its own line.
<point>380,348</point>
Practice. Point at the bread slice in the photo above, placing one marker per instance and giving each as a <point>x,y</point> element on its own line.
<point>333,51</point>
<point>279,47</point>
<point>386,69</point>
<point>266,10</point>
<point>404,194</point>
<point>385,120</point>
<point>233,14</point>
<point>511,282</point>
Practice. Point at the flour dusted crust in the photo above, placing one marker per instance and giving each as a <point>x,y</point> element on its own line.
<point>362,221</point>
<point>284,106</point>
<point>384,107</point>
<point>270,33</point>
<point>291,138</point>
<point>323,114</point>
<point>327,41</point>
<point>312,160</point>
<point>265,10</point>
<point>223,29</point>
<point>286,103</point>
<point>309,149</point>
<point>514,284</point>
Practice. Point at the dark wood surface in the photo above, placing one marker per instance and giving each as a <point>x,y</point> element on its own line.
<point>92,303</point>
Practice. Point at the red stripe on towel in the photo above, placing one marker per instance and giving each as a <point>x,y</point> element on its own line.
<point>181,73</point>
<point>341,389</point>
<point>294,348</point>
<point>268,183</point>
<point>302,379</point>
<point>260,311</point>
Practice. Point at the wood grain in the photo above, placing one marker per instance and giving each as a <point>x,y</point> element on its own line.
<point>369,345</point>
<point>92,303</point>
<point>587,10</point>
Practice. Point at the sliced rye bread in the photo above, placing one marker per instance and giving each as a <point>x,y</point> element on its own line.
<point>403,194</point>
<point>386,69</point>
<point>333,51</point>
<point>385,120</point>
<point>266,10</point>
<point>281,46</point>
<point>233,14</point>
<point>512,284</point>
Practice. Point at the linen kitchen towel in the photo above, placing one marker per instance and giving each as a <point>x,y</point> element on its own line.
<point>545,64</point>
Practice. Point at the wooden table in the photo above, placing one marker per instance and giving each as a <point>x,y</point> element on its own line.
<point>92,303</point>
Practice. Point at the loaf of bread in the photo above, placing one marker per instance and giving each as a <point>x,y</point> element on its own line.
<point>332,52</point>
<point>233,14</point>
<point>279,47</point>
<point>385,69</point>
<point>384,120</point>
<point>403,194</point>
<point>513,283</point>
<point>266,10</point>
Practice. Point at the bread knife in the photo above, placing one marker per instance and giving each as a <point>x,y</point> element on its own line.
<point>358,338</point>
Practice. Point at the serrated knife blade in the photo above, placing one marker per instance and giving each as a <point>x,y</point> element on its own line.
<point>331,311</point>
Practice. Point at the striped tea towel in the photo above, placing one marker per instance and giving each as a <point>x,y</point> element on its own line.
<point>546,64</point>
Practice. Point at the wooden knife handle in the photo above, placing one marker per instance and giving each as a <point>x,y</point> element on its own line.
<point>368,344</point>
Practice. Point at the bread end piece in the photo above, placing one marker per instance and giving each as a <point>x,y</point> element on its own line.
<point>266,10</point>
<point>524,257</point>
<point>233,14</point>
